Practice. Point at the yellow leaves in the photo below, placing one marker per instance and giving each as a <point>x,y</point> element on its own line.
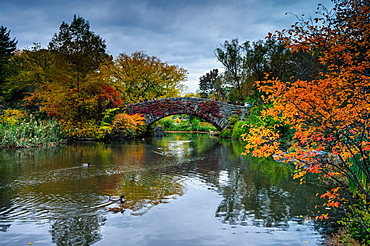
<point>261,141</point>
<point>88,129</point>
<point>11,116</point>
<point>299,173</point>
<point>142,77</point>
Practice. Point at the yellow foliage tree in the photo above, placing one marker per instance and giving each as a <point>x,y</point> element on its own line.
<point>141,77</point>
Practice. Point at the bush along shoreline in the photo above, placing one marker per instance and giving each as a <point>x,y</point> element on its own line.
<point>20,131</point>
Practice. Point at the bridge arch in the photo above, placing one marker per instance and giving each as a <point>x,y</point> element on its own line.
<point>215,112</point>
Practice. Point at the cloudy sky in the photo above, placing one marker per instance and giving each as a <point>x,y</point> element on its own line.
<point>180,32</point>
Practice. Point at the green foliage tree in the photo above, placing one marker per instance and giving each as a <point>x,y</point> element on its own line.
<point>79,50</point>
<point>250,61</point>
<point>7,49</point>
<point>207,83</point>
<point>7,45</point>
<point>232,55</point>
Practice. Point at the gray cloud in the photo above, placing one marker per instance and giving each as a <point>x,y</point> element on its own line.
<point>181,32</point>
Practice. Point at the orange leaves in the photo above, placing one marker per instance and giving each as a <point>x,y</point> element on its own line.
<point>365,145</point>
<point>333,204</point>
<point>330,115</point>
<point>332,194</point>
<point>323,216</point>
<point>314,168</point>
<point>262,141</point>
<point>129,124</point>
<point>332,174</point>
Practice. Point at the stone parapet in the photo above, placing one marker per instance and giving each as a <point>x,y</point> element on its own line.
<point>215,112</point>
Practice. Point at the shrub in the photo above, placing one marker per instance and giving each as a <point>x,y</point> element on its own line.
<point>89,129</point>
<point>129,125</point>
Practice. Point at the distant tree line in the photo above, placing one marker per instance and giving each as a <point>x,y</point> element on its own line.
<point>247,62</point>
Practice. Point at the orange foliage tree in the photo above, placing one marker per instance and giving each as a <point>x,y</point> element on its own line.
<point>130,125</point>
<point>329,116</point>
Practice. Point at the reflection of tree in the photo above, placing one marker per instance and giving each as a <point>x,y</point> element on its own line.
<point>261,194</point>
<point>230,208</point>
<point>145,189</point>
<point>77,230</point>
<point>248,204</point>
<point>256,192</point>
<point>74,217</point>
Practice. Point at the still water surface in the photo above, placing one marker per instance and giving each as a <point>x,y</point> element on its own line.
<point>182,189</point>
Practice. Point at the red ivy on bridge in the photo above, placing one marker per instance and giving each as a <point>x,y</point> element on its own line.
<point>166,107</point>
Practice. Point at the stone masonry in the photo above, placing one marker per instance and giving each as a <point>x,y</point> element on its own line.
<point>216,113</point>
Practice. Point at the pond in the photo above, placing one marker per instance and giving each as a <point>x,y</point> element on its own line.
<point>180,189</point>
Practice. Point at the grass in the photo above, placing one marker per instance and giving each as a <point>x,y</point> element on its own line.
<point>30,133</point>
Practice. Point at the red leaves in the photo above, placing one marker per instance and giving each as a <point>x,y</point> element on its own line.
<point>109,94</point>
<point>162,108</point>
<point>314,168</point>
<point>333,204</point>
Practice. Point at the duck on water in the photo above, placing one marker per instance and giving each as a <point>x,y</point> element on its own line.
<point>120,198</point>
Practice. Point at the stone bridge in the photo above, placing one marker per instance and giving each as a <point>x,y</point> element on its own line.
<point>216,113</point>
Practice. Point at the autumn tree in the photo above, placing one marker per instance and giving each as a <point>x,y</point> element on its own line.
<point>64,80</point>
<point>35,67</point>
<point>78,54</point>
<point>329,115</point>
<point>140,77</point>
